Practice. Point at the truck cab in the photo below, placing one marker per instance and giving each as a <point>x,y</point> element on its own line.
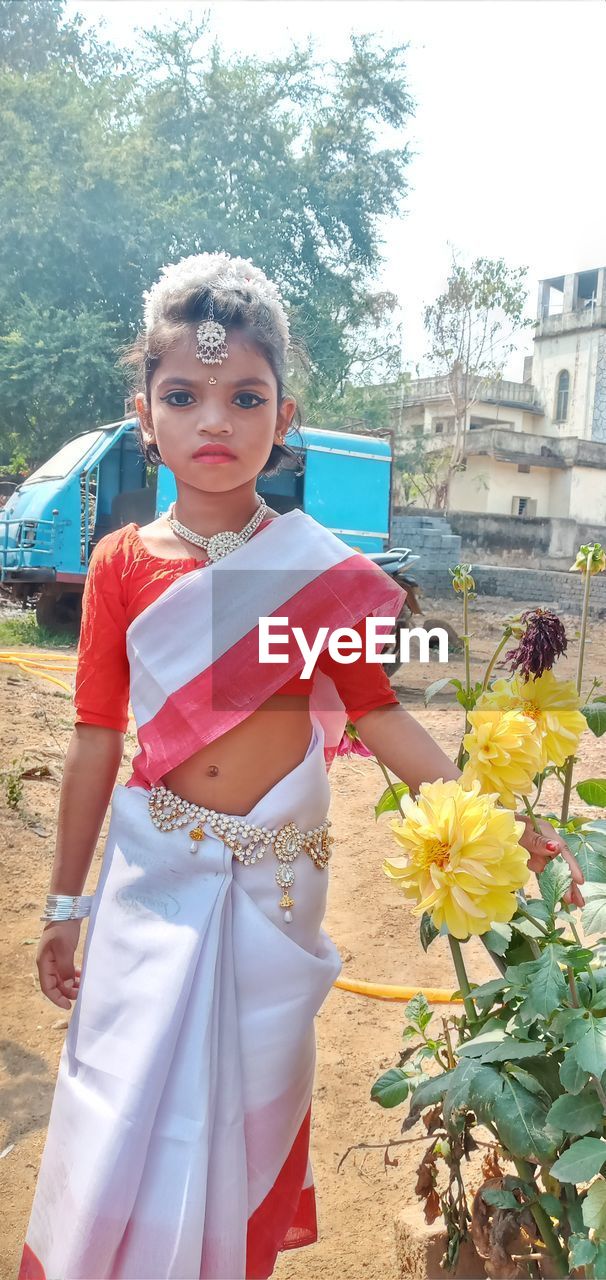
<point>99,481</point>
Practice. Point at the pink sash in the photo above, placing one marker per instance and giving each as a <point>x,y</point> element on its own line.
<point>195,670</point>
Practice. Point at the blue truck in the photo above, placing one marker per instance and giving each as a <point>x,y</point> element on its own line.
<point>99,481</point>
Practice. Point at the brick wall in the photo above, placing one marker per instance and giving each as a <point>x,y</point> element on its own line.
<point>537,586</point>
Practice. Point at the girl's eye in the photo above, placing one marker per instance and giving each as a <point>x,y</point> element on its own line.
<point>179,403</point>
<point>251,396</point>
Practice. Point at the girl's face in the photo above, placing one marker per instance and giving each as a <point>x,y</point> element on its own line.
<point>231,407</point>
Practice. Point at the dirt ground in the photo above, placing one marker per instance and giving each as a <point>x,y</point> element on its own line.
<point>357,1037</point>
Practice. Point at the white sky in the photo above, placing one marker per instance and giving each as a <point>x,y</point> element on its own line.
<point>507,135</point>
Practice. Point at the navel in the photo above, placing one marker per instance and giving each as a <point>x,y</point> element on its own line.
<point>212,771</point>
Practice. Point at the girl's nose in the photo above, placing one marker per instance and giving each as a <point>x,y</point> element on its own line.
<point>213,423</point>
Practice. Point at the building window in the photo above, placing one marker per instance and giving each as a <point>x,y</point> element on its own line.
<point>524,468</point>
<point>562,390</point>
<point>438,428</point>
<point>523,506</point>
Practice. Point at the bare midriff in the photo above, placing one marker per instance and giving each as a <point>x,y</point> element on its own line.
<point>236,770</point>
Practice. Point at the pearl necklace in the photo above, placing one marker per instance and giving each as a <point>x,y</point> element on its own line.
<point>219,544</point>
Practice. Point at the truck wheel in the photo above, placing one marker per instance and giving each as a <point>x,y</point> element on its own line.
<point>60,611</point>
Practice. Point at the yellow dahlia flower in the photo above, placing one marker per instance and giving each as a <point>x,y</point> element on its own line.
<point>463,862</point>
<point>504,753</point>
<point>553,705</point>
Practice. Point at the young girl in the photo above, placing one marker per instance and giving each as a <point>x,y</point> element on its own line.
<point>178,1142</point>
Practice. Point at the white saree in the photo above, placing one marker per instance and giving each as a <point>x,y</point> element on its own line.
<point>178,1140</point>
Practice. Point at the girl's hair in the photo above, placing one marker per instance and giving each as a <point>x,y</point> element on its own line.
<point>236,309</point>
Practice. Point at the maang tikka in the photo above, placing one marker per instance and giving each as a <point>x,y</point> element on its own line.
<point>211,336</point>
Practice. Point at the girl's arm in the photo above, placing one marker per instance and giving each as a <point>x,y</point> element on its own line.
<point>92,762</point>
<point>404,747</point>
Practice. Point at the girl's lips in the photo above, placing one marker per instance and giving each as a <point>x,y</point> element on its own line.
<point>208,456</point>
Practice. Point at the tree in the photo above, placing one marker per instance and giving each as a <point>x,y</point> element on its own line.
<point>421,475</point>
<point>471,327</point>
<point>176,150</point>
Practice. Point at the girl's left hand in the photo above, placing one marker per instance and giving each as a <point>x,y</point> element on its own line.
<point>546,844</point>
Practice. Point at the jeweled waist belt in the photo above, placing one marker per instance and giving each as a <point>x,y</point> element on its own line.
<point>247,842</point>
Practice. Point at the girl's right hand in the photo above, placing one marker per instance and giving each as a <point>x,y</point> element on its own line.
<point>59,977</point>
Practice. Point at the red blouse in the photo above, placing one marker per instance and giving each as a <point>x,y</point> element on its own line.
<point>123,579</point>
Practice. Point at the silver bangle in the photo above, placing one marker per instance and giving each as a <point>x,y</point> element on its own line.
<point>66,906</point>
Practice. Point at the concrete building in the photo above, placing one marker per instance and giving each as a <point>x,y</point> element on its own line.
<point>535,448</point>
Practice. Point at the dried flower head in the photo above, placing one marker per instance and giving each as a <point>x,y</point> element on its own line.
<point>542,641</point>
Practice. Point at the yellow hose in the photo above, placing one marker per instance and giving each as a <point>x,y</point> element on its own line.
<point>33,668</point>
<point>384,991</point>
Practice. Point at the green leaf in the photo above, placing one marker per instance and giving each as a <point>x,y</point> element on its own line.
<point>593,915</point>
<point>547,985</point>
<point>589,847</point>
<point>527,927</point>
<point>435,687</point>
<point>581,1162</point>
<point>595,715</point>
<point>418,1012</point>
<point>580,1115</point>
<point>521,1121</point>
<point>599,1262</point>
<point>590,1049</point>
<point>486,995</point>
<point>502,1048</point>
<point>387,802</point>
<point>500,1199</point>
<point>573,1077</point>
<point>553,883</point>
<point>528,1081</point>
<point>391,1089</point>
<point>429,1093</point>
<point>497,939</point>
<point>594,1208</point>
<point>593,790</point>
<point>471,1087</point>
<point>582,1252</point>
<point>427,931</point>
<point>552,1205</point>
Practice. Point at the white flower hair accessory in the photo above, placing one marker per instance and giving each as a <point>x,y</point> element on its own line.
<point>221,273</point>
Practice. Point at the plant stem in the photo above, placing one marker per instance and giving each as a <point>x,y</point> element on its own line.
<point>491,664</point>
<point>390,785</point>
<point>599,1088</point>
<point>574,994</point>
<point>531,814</point>
<point>544,1223</point>
<point>467,651</point>
<point>569,767</point>
<point>537,923</point>
<point>462,979</point>
<point>573,929</point>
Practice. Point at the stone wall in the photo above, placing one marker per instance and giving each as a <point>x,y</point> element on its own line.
<point>468,535</point>
<point>430,537</point>
<point>553,589</point>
